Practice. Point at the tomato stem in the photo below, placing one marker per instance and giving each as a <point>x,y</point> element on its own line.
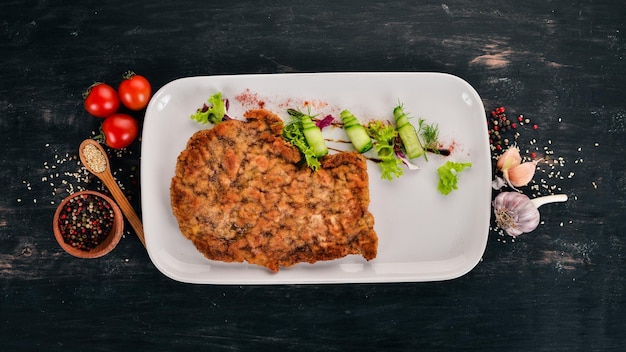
<point>100,136</point>
<point>88,90</point>
<point>128,74</point>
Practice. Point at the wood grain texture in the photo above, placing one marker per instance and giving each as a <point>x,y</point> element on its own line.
<point>558,63</point>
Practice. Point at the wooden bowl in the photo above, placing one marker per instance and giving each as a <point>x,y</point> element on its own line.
<point>107,244</point>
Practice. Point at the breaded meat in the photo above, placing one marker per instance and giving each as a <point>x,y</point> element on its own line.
<point>241,194</point>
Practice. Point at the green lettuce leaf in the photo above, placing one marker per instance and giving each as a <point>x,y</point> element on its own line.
<point>385,135</point>
<point>449,176</point>
<point>212,112</point>
<point>292,133</point>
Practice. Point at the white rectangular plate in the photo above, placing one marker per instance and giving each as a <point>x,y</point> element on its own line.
<point>423,235</point>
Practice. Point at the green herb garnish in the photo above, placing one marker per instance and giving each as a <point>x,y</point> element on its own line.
<point>448,176</point>
<point>212,112</point>
<point>385,134</point>
<point>429,134</point>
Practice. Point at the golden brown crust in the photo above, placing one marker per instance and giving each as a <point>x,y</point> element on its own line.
<point>239,194</point>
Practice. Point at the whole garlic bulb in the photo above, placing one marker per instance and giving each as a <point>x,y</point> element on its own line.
<point>515,213</point>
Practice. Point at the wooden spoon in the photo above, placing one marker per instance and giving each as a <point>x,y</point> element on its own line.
<point>98,164</point>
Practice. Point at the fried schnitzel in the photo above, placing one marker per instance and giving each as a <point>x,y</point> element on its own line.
<point>241,194</point>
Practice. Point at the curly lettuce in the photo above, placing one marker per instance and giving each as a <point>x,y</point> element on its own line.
<point>212,112</point>
<point>385,135</point>
<point>449,176</point>
<point>292,133</point>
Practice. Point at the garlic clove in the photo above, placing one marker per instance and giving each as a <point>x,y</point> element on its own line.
<point>509,159</point>
<point>521,174</point>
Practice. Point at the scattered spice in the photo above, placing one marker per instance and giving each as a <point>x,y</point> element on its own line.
<point>250,99</point>
<point>539,158</point>
<point>85,221</point>
<point>94,157</point>
<point>63,174</point>
<point>500,127</point>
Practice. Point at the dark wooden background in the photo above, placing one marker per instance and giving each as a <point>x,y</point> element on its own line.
<point>560,63</point>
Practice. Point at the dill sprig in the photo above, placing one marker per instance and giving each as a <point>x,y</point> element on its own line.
<point>429,134</point>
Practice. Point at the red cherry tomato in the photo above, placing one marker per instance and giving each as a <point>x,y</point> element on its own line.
<point>119,130</point>
<point>134,91</point>
<point>101,100</point>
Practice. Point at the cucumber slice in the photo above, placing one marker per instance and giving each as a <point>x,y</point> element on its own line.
<point>315,139</point>
<point>312,133</point>
<point>412,145</point>
<point>313,136</point>
<point>361,141</point>
<point>359,138</point>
